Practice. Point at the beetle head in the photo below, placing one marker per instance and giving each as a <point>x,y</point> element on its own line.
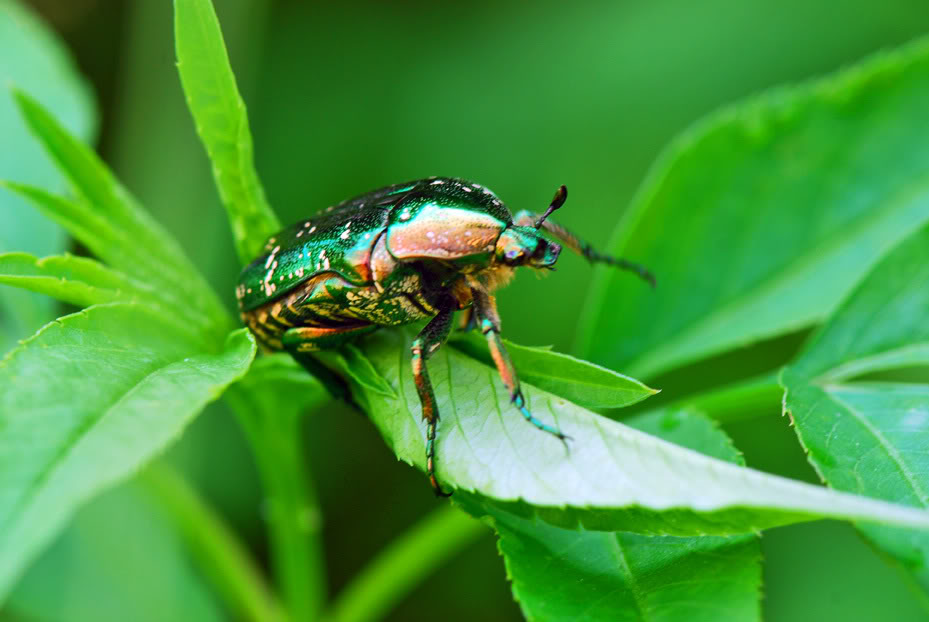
<point>523,246</point>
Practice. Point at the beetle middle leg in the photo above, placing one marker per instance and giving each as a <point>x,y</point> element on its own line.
<point>467,321</point>
<point>486,309</point>
<point>432,336</point>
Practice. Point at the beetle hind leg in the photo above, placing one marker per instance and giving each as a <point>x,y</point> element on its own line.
<point>302,341</point>
<point>424,346</point>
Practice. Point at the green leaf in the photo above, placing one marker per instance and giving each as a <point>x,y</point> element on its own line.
<point>614,478</point>
<point>119,559</point>
<point>76,280</point>
<point>759,219</point>
<point>870,437</point>
<point>105,209</point>
<point>88,400</point>
<point>222,123</point>
<point>562,574</point>
<point>34,58</point>
<point>114,246</point>
<point>574,379</point>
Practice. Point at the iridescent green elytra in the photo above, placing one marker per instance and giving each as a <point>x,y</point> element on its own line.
<point>407,252</point>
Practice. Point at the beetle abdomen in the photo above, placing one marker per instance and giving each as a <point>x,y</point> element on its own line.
<point>328,300</point>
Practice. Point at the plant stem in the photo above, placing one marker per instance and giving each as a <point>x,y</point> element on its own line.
<point>292,511</point>
<point>220,553</point>
<point>403,564</point>
<point>739,401</point>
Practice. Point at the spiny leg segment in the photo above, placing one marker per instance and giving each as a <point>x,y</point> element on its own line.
<point>432,336</point>
<point>486,307</point>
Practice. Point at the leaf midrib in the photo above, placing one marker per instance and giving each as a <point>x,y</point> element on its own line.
<point>631,582</point>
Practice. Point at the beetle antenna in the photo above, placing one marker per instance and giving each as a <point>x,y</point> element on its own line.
<point>560,195</point>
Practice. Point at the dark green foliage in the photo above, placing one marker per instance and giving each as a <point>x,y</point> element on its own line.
<point>803,207</point>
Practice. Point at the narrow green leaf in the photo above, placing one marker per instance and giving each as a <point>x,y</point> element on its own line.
<point>119,558</point>
<point>613,478</point>
<point>87,401</point>
<point>33,57</point>
<point>393,573</point>
<point>222,123</point>
<point>222,556</point>
<point>866,437</point>
<point>760,219</point>
<point>574,379</point>
<point>562,574</point>
<point>76,280</point>
<point>114,246</point>
<point>161,261</point>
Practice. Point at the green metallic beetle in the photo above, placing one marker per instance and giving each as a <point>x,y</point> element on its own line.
<point>413,251</point>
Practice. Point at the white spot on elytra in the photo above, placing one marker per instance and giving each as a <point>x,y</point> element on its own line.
<point>466,189</point>
<point>405,215</point>
<point>437,182</point>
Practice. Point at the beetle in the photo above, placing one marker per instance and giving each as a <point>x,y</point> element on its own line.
<point>413,251</point>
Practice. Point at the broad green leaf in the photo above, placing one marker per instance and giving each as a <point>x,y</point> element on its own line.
<point>119,559</point>
<point>574,379</point>
<point>759,219</point>
<point>866,437</point>
<point>222,124</point>
<point>271,401</point>
<point>32,57</point>
<point>88,400</point>
<point>614,478</point>
<point>160,260</point>
<point>562,574</point>
<point>76,280</point>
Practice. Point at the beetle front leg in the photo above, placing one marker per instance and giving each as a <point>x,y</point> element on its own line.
<point>424,346</point>
<point>486,308</point>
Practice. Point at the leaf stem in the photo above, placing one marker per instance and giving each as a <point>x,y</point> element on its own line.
<point>403,564</point>
<point>221,555</point>
<point>738,401</point>
<point>292,511</point>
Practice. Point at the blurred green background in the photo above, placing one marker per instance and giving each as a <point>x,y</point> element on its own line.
<point>522,97</point>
